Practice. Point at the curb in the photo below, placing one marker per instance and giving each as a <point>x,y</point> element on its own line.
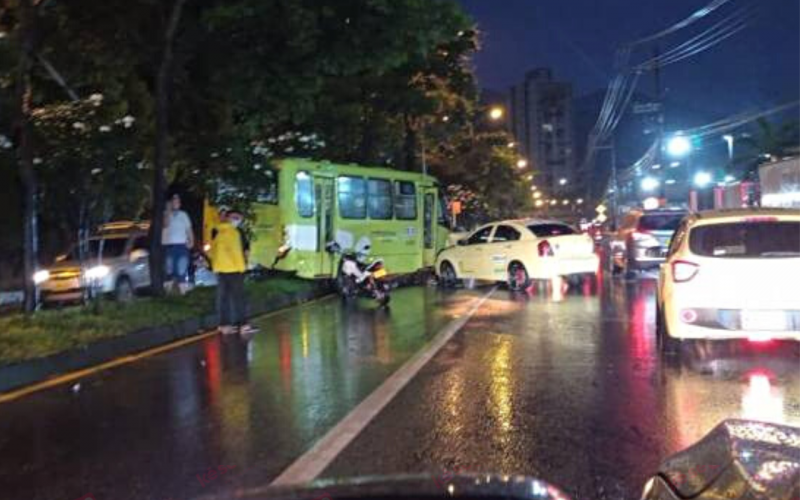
<point>18,375</point>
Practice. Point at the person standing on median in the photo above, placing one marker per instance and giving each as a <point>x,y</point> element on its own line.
<point>178,240</point>
<point>229,261</point>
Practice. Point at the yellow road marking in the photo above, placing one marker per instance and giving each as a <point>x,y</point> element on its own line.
<point>84,372</point>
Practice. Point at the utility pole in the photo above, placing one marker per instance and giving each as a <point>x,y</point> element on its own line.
<point>614,182</point>
<point>659,95</point>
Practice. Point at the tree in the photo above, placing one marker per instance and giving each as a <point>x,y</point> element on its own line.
<point>22,19</point>
<point>164,89</point>
<point>767,142</point>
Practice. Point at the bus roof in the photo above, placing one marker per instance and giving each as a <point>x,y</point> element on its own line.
<point>353,169</point>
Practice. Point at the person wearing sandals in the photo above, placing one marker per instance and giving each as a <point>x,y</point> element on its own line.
<point>229,261</point>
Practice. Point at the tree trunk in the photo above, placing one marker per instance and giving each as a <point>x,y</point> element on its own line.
<point>163,88</point>
<point>27,34</point>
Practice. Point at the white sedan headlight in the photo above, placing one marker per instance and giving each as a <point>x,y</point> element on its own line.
<point>40,277</point>
<point>97,272</point>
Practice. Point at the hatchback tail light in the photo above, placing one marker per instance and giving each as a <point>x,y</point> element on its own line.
<point>545,250</point>
<point>683,271</point>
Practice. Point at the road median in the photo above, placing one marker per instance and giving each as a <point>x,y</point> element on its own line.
<point>52,343</point>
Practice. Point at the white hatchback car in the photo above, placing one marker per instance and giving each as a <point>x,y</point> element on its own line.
<point>732,274</point>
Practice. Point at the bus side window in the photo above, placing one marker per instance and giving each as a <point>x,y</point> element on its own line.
<point>379,200</point>
<point>304,194</point>
<point>405,201</point>
<point>443,212</point>
<point>352,197</point>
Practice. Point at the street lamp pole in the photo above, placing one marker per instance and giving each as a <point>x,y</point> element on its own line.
<point>614,183</point>
<point>424,156</point>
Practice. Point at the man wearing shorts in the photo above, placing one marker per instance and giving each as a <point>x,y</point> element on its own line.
<point>178,240</point>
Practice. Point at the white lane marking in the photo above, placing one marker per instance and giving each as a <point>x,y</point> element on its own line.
<point>324,451</point>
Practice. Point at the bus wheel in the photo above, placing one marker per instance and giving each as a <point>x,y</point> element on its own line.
<point>447,275</point>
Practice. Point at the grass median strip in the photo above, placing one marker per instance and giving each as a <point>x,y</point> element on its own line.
<point>52,331</point>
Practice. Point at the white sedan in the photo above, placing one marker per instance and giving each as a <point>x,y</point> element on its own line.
<point>732,274</point>
<point>517,251</point>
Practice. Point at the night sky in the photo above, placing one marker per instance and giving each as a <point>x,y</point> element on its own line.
<point>756,68</point>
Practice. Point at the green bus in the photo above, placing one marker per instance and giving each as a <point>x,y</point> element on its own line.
<point>306,204</point>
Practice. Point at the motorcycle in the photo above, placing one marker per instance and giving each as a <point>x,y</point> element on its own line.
<point>359,278</point>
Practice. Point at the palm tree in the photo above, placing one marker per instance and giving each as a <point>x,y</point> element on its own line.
<point>769,141</point>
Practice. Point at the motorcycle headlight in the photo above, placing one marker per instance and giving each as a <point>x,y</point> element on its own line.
<point>97,272</point>
<point>40,277</point>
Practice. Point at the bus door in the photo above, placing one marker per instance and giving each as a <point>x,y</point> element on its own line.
<point>429,227</point>
<point>325,231</point>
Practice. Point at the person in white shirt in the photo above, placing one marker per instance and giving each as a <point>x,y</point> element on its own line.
<point>178,240</point>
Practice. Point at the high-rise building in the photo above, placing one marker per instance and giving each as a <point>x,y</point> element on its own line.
<point>541,120</point>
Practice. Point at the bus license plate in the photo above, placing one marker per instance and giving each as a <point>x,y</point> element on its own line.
<point>764,320</point>
<point>380,273</point>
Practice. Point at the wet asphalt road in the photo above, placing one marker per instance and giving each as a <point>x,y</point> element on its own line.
<point>569,388</point>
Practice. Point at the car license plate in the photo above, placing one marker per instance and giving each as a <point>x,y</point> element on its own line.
<point>764,320</point>
<point>380,273</point>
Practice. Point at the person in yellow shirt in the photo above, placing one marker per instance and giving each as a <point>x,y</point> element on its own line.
<point>229,261</point>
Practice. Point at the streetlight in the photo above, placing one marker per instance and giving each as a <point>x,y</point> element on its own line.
<point>580,201</point>
<point>512,145</point>
<point>539,203</point>
<point>729,139</point>
<point>679,146</point>
<point>522,163</point>
<point>562,182</point>
<point>537,195</point>
<point>650,184</point>
<point>702,179</point>
<point>496,113</point>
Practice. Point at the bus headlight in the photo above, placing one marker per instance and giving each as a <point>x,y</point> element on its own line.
<point>97,272</point>
<point>40,277</point>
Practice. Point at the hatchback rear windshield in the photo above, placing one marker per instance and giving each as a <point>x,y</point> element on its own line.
<point>547,230</point>
<point>660,222</point>
<point>747,239</point>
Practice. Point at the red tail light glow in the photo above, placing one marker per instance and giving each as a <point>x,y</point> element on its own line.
<point>683,271</point>
<point>545,250</point>
<point>688,316</point>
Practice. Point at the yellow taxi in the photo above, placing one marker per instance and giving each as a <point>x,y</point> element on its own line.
<point>518,251</point>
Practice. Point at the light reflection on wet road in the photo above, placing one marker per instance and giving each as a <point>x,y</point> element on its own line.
<point>146,430</point>
<point>573,391</point>
<point>570,388</point>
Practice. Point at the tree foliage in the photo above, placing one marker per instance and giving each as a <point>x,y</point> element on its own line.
<point>375,82</point>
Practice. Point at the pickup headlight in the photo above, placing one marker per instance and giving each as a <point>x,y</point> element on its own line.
<point>40,277</point>
<point>97,272</point>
